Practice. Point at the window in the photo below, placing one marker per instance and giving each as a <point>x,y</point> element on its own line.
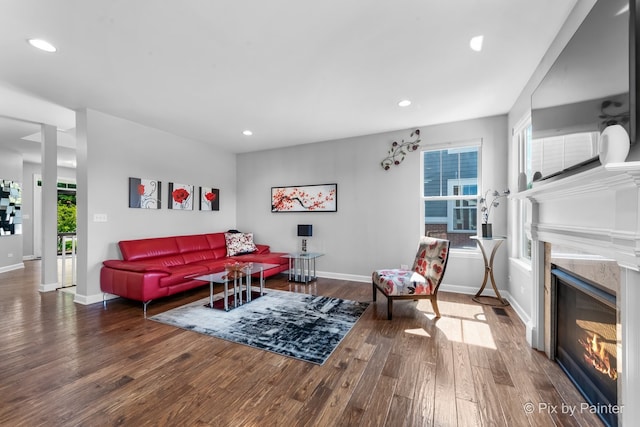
<point>554,153</point>
<point>450,193</point>
<point>462,214</point>
<point>528,159</point>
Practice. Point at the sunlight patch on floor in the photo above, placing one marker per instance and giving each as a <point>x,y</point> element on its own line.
<point>419,331</point>
<point>464,323</point>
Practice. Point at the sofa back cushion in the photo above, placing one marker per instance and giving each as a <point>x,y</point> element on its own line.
<point>194,248</point>
<point>142,249</point>
<point>217,244</point>
<point>197,242</point>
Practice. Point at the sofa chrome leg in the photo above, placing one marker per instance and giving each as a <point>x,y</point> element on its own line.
<point>104,300</point>
<point>144,307</point>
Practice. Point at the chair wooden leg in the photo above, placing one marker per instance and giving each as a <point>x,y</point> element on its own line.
<point>434,304</point>
<point>375,291</point>
<point>389,307</point>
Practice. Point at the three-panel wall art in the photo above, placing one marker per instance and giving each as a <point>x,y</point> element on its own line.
<point>147,194</point>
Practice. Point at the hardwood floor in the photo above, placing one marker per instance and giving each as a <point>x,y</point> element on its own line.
<point>65,364</point>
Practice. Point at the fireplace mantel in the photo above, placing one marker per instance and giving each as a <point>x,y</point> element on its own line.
<point>596,211</point>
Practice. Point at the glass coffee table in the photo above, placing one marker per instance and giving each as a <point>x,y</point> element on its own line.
<point>238,275</point>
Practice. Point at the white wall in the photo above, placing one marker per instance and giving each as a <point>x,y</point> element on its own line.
<point>110,150</point>
<point>10,246</point>
<point>378,220</point>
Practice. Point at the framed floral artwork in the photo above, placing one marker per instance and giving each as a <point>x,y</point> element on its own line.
<point>305,198</point>
<point>144,193</point>
<point>209,199</point>
<point>180,196</point>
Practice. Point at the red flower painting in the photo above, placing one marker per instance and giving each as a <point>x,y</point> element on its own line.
<point>143,193</point>
<point>180,195</point>
<point>209,199</point>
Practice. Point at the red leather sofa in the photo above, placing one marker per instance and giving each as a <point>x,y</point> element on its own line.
<point>158,267</point>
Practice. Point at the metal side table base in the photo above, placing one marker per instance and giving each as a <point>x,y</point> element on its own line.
<point>494,301</point>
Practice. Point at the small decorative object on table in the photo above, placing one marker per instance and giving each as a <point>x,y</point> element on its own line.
<point>237,270</point>
<point>485,208</point>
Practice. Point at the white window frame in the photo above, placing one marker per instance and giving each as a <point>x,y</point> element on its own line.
<point>451,204</point>
<point>472,143</point>
<point>522,140</point>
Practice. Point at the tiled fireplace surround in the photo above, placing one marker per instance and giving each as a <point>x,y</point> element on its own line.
<point>594,212</point>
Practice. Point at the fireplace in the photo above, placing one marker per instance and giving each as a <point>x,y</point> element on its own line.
<point>596,212</point>
<point>584,338</point>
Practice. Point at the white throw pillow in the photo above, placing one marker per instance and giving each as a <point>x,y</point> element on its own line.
<point>239,243</point>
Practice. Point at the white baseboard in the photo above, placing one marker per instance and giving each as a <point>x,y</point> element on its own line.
<point>343,276</point>
<point>467,290</point>
<point>29,257</point>
<point>522,314</point>
<point>470,290</point>
<point>11,267</point>
<point>93,299</point>
<point>48,287</point>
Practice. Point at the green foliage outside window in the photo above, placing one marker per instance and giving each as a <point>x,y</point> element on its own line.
<point>66,217</point>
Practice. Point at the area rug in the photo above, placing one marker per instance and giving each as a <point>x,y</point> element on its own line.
<point>302,326</point>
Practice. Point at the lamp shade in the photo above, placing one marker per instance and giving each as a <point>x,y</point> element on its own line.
<point>305,230</point>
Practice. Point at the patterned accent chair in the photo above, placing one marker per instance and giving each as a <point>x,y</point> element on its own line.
<point>421,282</point>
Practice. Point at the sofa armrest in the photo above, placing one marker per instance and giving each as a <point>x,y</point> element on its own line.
<point>136,267</point>
<point>262,249</point>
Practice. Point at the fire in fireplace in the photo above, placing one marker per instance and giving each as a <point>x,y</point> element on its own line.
<point>596,355</point>
<point>585,341</point>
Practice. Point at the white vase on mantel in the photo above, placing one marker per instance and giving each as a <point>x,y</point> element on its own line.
<point>614,144</point>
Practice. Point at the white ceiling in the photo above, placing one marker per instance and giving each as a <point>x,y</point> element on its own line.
<point>292,71</point>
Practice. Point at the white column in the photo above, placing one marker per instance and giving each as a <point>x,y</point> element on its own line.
<point>629,349</point>
<point>49,273</point>
<point>82,210</point>
<point>535,330</point>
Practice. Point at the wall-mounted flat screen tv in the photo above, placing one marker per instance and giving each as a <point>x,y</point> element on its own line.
<point>586,89</point>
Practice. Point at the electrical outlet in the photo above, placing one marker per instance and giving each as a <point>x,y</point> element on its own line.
<point>10,255</point>
<point>521,289</point>
<point>99,217</point>
<point>404,267</point>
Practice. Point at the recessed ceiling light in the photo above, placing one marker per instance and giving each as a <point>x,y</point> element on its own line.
<point>247,132</point>
<point>404,103</point>
<point>476,43</point>
<point>42,45</point>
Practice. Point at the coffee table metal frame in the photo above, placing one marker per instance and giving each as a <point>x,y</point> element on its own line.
<point>236,278</point>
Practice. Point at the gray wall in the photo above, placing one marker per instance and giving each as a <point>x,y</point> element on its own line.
<point>110,150</point>
<point>378,222</point>
<point>10,246</point>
